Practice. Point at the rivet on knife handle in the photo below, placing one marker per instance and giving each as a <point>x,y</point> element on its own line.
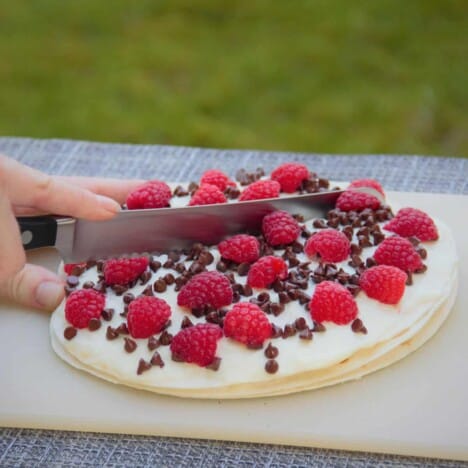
<point>38,231</point>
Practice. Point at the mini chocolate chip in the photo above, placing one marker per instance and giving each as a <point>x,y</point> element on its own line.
<point>153,343</point>
<point>212,317</point>
<point>100,287</point>
<point>318,327</point>
<point>94,324</point>
<point>378,238</point>
<point>88,285</point>
<point>358,327</point>
<point>271,366</point>
<point>355,249</point>
<point>409,278</point>
<point>247,290</point>
<point>255,345</point>
<point>122,329</point>
<point>192,187</point>
<point>243,269</point>
<point>169,279</point>
<point>271,351</point>
<point>353,289</point>
<point>148,291</point>
<point>100,265</point>
<point>235,297</point>
<point>293,262</point>
<point>155,265</point>
<point>143,366</point>
<point>370,262</point>
<point>119,289</point>
<point>421,269</point>
<point>107,314</point>
<point>283,298</point>
<point>214,365</point>
<point>319,224</point>
<point>168,263</point>
<point>289,330</point>
<point>166,338</point>
<point>179,191</point>
<point>221,266</point>
<point>422,252</point>
<point>300,323</point>
<point>276,308</point>
<point>232,192</point>
<point>414,241</point>
<point>145,277</point>
<point>130,345</point>
<point>128,297</point>
<point>111,333</point>
<point>173,255</point>
<point>73,281</point>
<point>206,257</point>
<point>70,333</point>
<point>156,360</point>
<point>160,285</point>
<point>180,268</point>
<point>186,322</point>
<point>196,267</point>
<point>276,331</point>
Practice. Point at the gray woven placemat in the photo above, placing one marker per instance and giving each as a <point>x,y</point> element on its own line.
<point>43,448</point>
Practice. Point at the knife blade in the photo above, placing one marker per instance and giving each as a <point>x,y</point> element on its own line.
<point>164,229</point>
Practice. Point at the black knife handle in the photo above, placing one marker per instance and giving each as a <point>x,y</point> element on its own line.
<point>38,231</point>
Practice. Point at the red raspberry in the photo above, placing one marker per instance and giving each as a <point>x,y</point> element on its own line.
<point>248,324</point>
<point>196,344</point>
<point>332,246</point>
<point>153,194</point>
<point>384,283</point>
<point>209,288</point>
<point>356,201</point>
<point>399,252</point>
<point>332,302</point>
<point>413,222</point>
<point>218,178</point>
<point>83,305</point>
<point>261,189</point>
<point>290,176</point>
<point>207,194</point>
<point>68,267</point>
<point>241,248</point>
<point>280,228</point>
<point>372,183</point>
<point>147,316</point>
<point>124,270</point>
<point>266,270</point>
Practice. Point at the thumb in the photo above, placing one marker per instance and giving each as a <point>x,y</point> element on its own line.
<point>33,286</point>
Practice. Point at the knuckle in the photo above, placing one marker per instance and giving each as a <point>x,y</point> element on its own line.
<point>43,189</point>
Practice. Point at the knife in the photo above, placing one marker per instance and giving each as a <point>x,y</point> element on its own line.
<point>164,229</point>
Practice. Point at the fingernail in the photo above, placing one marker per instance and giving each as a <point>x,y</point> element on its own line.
<point>108,204</point>
<point>49,294</point>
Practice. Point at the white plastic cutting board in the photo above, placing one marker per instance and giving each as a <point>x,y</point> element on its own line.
<point>418,406</point>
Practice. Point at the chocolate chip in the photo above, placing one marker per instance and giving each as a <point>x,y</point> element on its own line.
<point>168,263</point>
<point>288,330</point>
<point>174,256</point>
<point>73,281</point>
<point>355,249</point>
<point>409,278</point>
<point>153,343</point>
<point>358,327</point>
<point>88,285</point>
<point>100,265</point>
<point>243,269</point>
<point>70,333</point>
<point>370,262</point>
<point>275,308</point>
<point>156,360</point>
<point>160,285</point>
<point>119,289</point>
<point>353,289</point>
<point>111,333</point>
<point>283,298</point>
<point>94,324</point>
<point>221,266</point>
<point>122,329</point>
<point>180,268</point>
<point>319,224</point>
<point>148,291</point>
<point>90,264</point>
<point>100,287</point>
<point>271,366</point>
<point>143,366</point>
<point>422,252</point>
<point>179,191</point>
<point>130,345</point>
<point>214,365</point>
<point>319,327</point>
<point>186,322</point>
<point>232,192</point>
<point>255,345</point>
<point>107,314</point>
<point>169,279</point>
<point>196,267</point>
<point>166,338</point>
<point>414,241</point>
<point>155,265</point>
<point>128,297</point>
<point>271,351</point>
<point>247,290</point>
<point>300,323</point>
<point>192,187</point>
<point>145,277</point>
<point>378,237</point>
<point>276,331</point>
<point>421,269</point>
<point>306,334</point>
<point>206,257</point>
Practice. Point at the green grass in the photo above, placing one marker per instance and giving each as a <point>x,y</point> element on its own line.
<point>318,76</point>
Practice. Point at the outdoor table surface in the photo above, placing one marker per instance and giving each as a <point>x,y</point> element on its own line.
<point>32,447</point>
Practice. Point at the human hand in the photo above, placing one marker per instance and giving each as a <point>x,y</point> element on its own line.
<point>26,192</point>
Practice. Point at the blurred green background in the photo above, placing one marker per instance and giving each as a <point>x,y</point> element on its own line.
<point>317,76</point>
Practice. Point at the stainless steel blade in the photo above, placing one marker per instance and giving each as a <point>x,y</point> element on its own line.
<point>160,230</point>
